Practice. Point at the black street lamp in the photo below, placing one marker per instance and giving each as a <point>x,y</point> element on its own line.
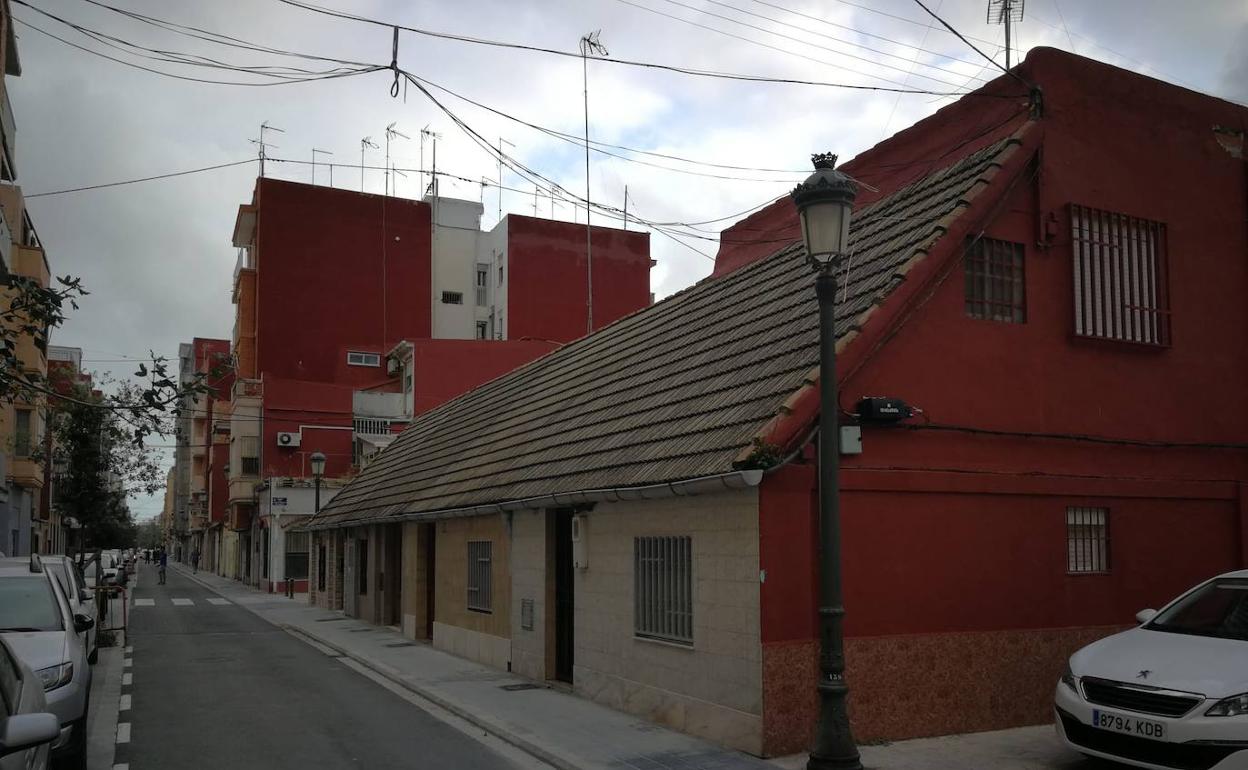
<point>318,470</point>
<point>825,202</point>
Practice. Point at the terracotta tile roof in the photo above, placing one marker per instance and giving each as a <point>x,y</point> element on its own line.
<point>673,392</point>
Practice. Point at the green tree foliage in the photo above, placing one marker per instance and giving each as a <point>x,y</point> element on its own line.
<point>150,534</point>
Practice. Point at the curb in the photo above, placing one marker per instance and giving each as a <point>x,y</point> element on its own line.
<point>489,726</point>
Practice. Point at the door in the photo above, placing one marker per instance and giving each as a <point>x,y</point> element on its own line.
<point>394,575</point>
<point>565,576</point>
<point>430,552</point>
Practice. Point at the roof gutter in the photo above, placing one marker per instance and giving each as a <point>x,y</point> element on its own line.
<point>702,485</point>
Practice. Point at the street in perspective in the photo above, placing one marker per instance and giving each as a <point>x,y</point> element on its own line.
<point>623,384</point>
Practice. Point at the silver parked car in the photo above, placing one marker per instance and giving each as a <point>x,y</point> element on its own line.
<point>26,727</point>
<point>81,599</point>
<point>38,624</point>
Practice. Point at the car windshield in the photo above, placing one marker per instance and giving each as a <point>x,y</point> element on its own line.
<point>28,604</point>
<point>1218,608</point>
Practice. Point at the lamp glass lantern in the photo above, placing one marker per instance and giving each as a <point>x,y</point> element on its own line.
<point>318,463</point>
<point>825,203</point>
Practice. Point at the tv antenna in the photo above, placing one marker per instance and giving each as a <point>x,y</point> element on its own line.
<point>1009,13</point>
<point>590,45</point>
<point>365,143</point>
<point>501,142</point>
<point>331,166</point>
<point>433,174</point>
<point>391,132</point>
<point>262,144</point>
<point>397,174</point>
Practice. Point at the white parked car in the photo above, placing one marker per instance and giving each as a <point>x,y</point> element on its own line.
<point>1170,693</point>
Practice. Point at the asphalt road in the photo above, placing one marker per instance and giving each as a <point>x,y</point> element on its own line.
<point>214,686</point>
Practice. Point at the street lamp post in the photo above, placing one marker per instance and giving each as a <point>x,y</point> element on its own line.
<point>825,202</point>
<point>318,470</point>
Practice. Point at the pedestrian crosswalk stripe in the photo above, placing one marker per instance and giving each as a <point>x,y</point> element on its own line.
<point>123,732</point>
<point>218,601</point>
<point>125,703</point>
<point>144,602</point>
<point>127,679</point>
<point>182,602</point>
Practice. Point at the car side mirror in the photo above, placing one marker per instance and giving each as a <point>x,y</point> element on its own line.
<point>82,623</point>
<point>25,731</point>
<point>1145,615</point>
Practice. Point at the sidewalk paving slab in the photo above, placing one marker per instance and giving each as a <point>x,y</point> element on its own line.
<point>103,711</point>
<point>561,729</point>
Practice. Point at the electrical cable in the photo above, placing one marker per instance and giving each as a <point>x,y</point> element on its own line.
<point>1081,437</point>
<point>819,34</point>
<point>777,48</point>
<point>622,62</point>
<point>71,44</point>
<point>142,179</point>
<point>973,47</point>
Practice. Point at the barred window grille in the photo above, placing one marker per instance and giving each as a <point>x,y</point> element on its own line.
<point>249,449</point>
<point>480,582</point>
<point>995,286</point>
<point>663,588</point>
<point>452,298</point>
<point>1120,265</point>
<point>1087,540</point>
<point>297,544</point>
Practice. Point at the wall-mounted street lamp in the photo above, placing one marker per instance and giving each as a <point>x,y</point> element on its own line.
<point>825,203</point>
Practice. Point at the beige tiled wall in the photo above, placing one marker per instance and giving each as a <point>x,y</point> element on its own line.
<point>712,689</point>
<point>530,555</point>
<point>450,605</point>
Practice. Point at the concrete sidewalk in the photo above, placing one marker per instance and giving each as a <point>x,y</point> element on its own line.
<point>561,729</point>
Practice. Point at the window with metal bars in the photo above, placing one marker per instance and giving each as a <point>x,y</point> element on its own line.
<point>1087,540</point>
<point>995,286</point>
<point>480,577</point>
<point>249,452</point>
<point>1120,282</point>
<point>663,588</point>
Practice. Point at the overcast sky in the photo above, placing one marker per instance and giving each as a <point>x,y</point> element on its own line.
<point>157,256</point>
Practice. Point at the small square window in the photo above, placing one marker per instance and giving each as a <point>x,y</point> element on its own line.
<point>995,286</point>
<point>452,298</point>
<point>1087,540</point>
<point>356,358</point>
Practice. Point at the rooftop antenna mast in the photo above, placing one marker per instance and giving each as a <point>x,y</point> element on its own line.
<point>331,167</point>
<point>432,188</point>
<point>261,143</point>
<point>423,132</point>
<point>589,45</point>
<point>391,132</point>
<point>501,142</point>
<point>1009,13</point>
<point>365,143</point>
<point>397,175</point>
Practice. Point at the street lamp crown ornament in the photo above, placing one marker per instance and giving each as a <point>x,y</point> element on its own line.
<point>825,201</point>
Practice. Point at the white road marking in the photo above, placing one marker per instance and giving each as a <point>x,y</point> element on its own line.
<point>218,601</point>
<point>127,679</point>
<point>125,703</point>
<point>144,602</point>
<point>129,650</point>
<point>122,766</point>
<point>123,732</point>
<point>127,663</point>
<point>182,602</point>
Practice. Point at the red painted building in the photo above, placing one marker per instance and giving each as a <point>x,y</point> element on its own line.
<point>1080,453</point>
<point>339,296</point>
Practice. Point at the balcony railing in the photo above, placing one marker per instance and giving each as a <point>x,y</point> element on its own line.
<point>9,127</point>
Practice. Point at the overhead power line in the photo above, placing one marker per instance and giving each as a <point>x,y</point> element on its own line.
<point>622,62</point>
<point>142,179</point>
<point>961,37</point>
<point>836,51</point>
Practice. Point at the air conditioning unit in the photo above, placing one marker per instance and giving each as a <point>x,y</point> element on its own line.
<point>392,366</point>
<point>580,557</point>
<point>289,439</point>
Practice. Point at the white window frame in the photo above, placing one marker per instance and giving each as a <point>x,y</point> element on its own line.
<point>361,358</point>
